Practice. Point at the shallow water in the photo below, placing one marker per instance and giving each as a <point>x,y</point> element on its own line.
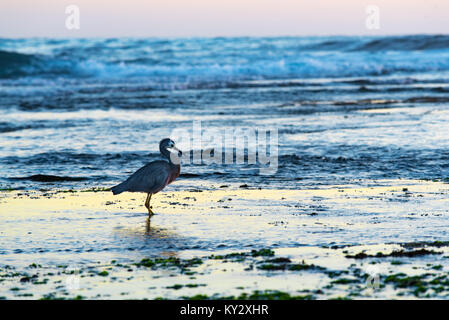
<point>58,227</point>
<point>46,236</point>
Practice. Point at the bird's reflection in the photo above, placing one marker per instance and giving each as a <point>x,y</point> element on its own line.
<point>148,226</point>
<point>146,230</point>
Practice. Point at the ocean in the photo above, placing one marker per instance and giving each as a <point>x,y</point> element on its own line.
<point>362,166</point>
<point>348,110</point>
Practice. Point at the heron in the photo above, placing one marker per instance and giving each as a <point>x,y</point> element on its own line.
<point>154,176</point>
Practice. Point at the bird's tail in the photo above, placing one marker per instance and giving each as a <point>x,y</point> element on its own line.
<point>118,188</point>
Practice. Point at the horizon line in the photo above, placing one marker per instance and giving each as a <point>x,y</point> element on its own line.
<point>226,36</point>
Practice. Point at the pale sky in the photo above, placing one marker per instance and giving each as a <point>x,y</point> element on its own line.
<point>211,18</point>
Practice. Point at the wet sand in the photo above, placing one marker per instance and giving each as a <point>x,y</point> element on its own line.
<point>231,241</point>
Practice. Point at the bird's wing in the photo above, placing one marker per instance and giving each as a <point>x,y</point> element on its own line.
<point>150,178</point>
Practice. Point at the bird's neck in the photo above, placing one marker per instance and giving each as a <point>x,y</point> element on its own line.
<point>166,154</point>
<point>172,164</point>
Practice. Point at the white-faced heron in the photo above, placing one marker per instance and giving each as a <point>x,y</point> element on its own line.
<point>154,176</point>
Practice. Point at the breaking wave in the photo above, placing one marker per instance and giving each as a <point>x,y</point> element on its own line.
<point>230,59</point>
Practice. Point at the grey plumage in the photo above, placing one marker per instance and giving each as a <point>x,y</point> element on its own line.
<point>149,179</point>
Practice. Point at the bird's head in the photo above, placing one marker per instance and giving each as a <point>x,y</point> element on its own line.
<point>167,148</point>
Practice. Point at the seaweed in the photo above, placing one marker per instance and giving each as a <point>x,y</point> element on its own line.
<point>396,254</point>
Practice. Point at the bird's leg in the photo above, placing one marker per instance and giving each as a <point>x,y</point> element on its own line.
<point>147,204</point>
<point>147,200</point>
